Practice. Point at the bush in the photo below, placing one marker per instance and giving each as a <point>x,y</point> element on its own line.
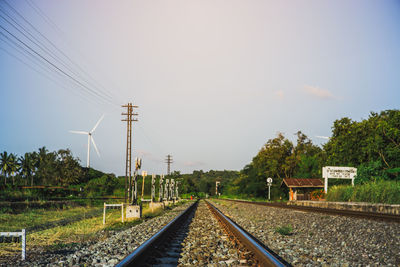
<point>317,194</point>
<point>375,192</point>
<point>370,172</point>
<point>102,186</point>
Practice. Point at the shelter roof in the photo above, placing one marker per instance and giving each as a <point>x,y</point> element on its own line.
<point>303,182</point>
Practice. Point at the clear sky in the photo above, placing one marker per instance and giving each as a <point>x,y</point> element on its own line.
<point>214,79</point>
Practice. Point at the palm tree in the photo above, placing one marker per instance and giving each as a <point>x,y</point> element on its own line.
<point>5,165</point>
<point>13,166</point>
<point>27,166</point>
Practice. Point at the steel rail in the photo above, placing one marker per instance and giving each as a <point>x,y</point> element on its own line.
<point>262,255</point>
<point>351,213</point>
<point>139,255</point>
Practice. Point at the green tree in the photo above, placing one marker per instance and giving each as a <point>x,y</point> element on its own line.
<point>13,166</point>
<point>27,167</point>
<point>68,169</point>
<point>373,143</point>
<point>5,165</point>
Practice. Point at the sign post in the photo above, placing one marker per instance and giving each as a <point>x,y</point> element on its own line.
<point>144,174</point>
<point>269,182</point>
<point>338,173</point>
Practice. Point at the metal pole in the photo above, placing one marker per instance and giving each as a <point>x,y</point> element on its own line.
<point>122,212</point>
<point>104,214</point>
<point>144,176</point>
<point>23,244</point>
<point>269,191</point>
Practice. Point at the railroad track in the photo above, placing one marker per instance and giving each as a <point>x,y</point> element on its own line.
<point>351,213</point>
<point>166,248</point>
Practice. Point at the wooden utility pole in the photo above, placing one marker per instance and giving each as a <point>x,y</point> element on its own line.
<point>168,160</point>
<point>130,118</point>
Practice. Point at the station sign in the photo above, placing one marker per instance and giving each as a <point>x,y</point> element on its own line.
<point>336,172</point>
<point>339,172</point>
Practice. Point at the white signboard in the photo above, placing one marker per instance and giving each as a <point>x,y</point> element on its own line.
<point>338,173</point>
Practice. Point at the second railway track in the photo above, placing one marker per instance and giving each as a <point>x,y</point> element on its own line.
<point>202,236</point>
<point>351,213</point>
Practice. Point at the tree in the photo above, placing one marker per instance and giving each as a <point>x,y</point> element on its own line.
<point>13,166</point>
<point>68,169</point>
<point>27,166</point>
<point>46,167</point>
<point>5,165</point>
<point>373,144</point>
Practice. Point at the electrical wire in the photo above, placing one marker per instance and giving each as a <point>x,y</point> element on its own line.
<point>76,73</point>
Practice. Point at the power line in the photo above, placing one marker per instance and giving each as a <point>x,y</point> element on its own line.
<point>105,93</point>
<point>43,72</point>
<point>47,19</point>
<point>88,89</point>
<point>40,12</point>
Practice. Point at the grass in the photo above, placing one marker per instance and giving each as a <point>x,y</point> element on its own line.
<point>62,237</point>
<point>375,192</point>
<point>284,230</point>
<point>34,217</point>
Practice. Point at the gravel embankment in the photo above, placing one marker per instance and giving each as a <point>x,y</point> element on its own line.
<point>207,244</point>
<point>318,239</point>
<point>103,253</point>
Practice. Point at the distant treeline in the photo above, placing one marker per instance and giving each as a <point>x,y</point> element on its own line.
<point>45,168</point>
<point>372,145</point>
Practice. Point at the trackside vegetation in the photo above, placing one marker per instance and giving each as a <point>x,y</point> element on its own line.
<point>374,192</point>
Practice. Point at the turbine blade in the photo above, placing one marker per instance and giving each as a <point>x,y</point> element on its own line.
<point>79,132</point>
<point>97,124</point>
<point>323,137</point>
<point>95,147</point>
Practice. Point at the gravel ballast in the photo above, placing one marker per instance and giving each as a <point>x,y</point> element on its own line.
<point>313,239</point>
<point>207,243</point>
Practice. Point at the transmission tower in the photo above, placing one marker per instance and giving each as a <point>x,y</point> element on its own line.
<point>168,160</point>
<point>130,118</point>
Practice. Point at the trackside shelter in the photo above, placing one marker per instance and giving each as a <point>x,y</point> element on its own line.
<point>300,188</point>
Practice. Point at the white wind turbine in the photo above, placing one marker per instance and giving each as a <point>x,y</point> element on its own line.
<point>90,139</point>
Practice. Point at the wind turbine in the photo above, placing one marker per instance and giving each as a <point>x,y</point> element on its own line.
<point>90,139</point>
<point>323,137</point>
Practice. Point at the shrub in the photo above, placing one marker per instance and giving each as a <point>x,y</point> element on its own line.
<point>375,192</point>
<point>317,194</point>
<point>370,172</point>
<point>102,186</point>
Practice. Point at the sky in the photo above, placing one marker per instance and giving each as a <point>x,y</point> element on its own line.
<point>213,79</point>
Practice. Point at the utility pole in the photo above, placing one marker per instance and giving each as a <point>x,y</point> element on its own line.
<point>216,187</point>
<point>168,160</point>
<point>130,118</point>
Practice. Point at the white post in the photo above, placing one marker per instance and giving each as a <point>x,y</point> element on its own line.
<point>88,152</point>
<point>23,244</point>
<point>122,212</point>
<point>326,185</point>
<point>104,214</point>
<point>325,176</point>
<point>269,191</point>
